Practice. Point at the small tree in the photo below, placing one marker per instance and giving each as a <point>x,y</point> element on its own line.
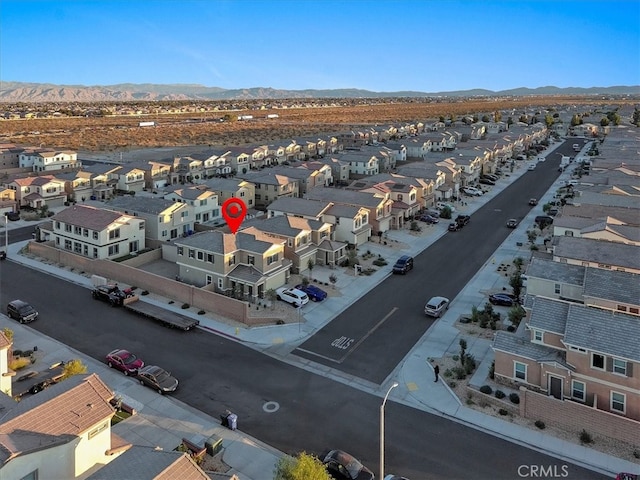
<point>333,279</point>
<point>463,350</point>
<point>8,333</point>
<point>43,210</point>
<point>304,467</point>
<point>310,265</point>
<point>445,213</point>
<point>515,282</point>
<point>516,314</point>
<point>74,367</point>
<point>271,295</point>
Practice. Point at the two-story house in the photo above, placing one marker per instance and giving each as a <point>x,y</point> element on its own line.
<point>227,188</point>
<point>104,179</point>
<point>165,220</point>
<point>303,239</point>
<point>77,185</point>
<point>96,233</point>
<point>36,192</point>
<point>597,253</point>
<point>49,160</point>
<point>378,205</point>
<point>361,164</point>
<point>270,186</point>
<point>246,264</point>
<point>575,352</point>
<point>203,200</point>
<point>130,178</point>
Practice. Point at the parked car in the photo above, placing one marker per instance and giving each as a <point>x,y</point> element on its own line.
<point>436,306</point>
<point>13,216</point>
<point>394,477</point>
<point>501,299</point>
<point>158,379</point>
<point>532,166</point>
<point>490,176</point>
<point>124,361</point>
<point>109,293</point>
<point>533,202</point>
<point>472,191</point>
<point>462,220</point>
<point>343,466</point>
<point>453,227</point>
<point>315,294</point>
<point>21,311</point>
<point>512,223</point>
<point>403,265</point>
<point>428,218</point>
<point>293,296</point>
<point>40,386</point>
<point>433,212</point>
<point>486,181</point>
<point>441,205</point>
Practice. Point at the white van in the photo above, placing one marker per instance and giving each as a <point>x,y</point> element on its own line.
<point>576,147</point>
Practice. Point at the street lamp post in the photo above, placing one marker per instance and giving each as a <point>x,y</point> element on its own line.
<point>6,235</point>
<point>382,429</point>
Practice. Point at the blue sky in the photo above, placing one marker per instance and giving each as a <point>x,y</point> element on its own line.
<point>378,45</point>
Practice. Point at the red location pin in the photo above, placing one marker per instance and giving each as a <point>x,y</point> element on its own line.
<point>234,210</point>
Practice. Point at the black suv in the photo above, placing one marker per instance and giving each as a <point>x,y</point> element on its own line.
<point>21,311</point>
<point>109,293</point>
<point>462,220</point>
<point>403,265</point>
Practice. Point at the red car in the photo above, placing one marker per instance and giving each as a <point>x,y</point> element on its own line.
<point>627,476</point>
<point>124,361</point>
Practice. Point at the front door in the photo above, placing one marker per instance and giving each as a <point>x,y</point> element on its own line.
<point>555,387</point>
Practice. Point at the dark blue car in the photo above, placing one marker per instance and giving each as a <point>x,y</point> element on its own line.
<point>314,293</point>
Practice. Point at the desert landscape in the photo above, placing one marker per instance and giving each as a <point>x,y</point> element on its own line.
<point>112,133</point>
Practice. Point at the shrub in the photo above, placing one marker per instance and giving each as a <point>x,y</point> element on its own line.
<point>452,384</point>
<point>379,262</point>
<point>540,424</point>
<point>486,389</point>
<point>171,302</point>
<point>280,322</point>
<point>492,370</point>
<point>503,412</point>
<point>585,437</point>
<point>184,306</point>
<point>448,373</point>
<point>201,312</point>
<point>455,358</point>
<point>19,363</point>
<point>459,373</point>
<point>469,363</point>
<point>500,394</point>
<point>511,328</point>
<point>514,398</point>
<point>145,292</point>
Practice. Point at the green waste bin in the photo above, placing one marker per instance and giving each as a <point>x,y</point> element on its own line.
<point>213,445</point>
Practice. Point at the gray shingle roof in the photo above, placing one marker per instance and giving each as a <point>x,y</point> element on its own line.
<point>283,225</point>
<point>219,242</point>
<point>560,272</point>
<point>347,197</point>
<point>622,287</point>
<point>133,205</point>
<point>549,315</point>
<point>598,251</point>
<point>299,206</point>
<point>630,216</point>
<point>522,347</point>
<point>603,331</point>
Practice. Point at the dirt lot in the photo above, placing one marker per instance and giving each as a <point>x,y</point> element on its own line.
<point>118,133</point>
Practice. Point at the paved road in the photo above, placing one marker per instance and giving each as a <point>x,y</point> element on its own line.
<point>314,412</point>
<point>371,337</point>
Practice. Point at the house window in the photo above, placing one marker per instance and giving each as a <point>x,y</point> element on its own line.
<point>618,402</point>
<point>57,225</point>
<point>85,232</point>
<point>115,233</point>
<point>180,251</point>
<point>95,253</point>
<point>220,283</point>
<point>619,366</point>
<point>192,253</point>
<point>272,259</point>
<point>578,390</point>
<point>114,249</point>
<point>520,371</point>
<point>621,308</point>
<point>557,288</point>
<point>95,235</point>
<point>77,247</point>
<point>210,257</point>
<point>141,226</point>
<point>537,336</point>
<point>232,260</point>
<point>77,230</point>
<point>31,476</point>
<point>577,349</point>
<point>597,361</point>
<point>634,310</point>
<point>200,255</point>
<point>164,233</point>
<point>251,260</point>
<point>67,244</point>
<point>67,228</point>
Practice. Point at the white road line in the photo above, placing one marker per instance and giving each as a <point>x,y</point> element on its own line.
<point>359,342</point>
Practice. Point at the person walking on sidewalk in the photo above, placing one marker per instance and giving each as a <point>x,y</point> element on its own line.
<point>436,370</point>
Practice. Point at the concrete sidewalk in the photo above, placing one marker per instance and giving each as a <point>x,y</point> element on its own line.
<point>161,417</point>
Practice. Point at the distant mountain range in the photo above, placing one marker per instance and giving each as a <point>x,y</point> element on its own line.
<point>42,92</point>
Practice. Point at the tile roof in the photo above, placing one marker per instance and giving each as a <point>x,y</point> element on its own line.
<point>284,225</point>
<point>148,463</point>
<point>57,415</point>
<point>604,331</point>
<point>88,217</point>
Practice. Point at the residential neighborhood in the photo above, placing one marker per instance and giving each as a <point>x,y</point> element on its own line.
<point>317,203</point>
